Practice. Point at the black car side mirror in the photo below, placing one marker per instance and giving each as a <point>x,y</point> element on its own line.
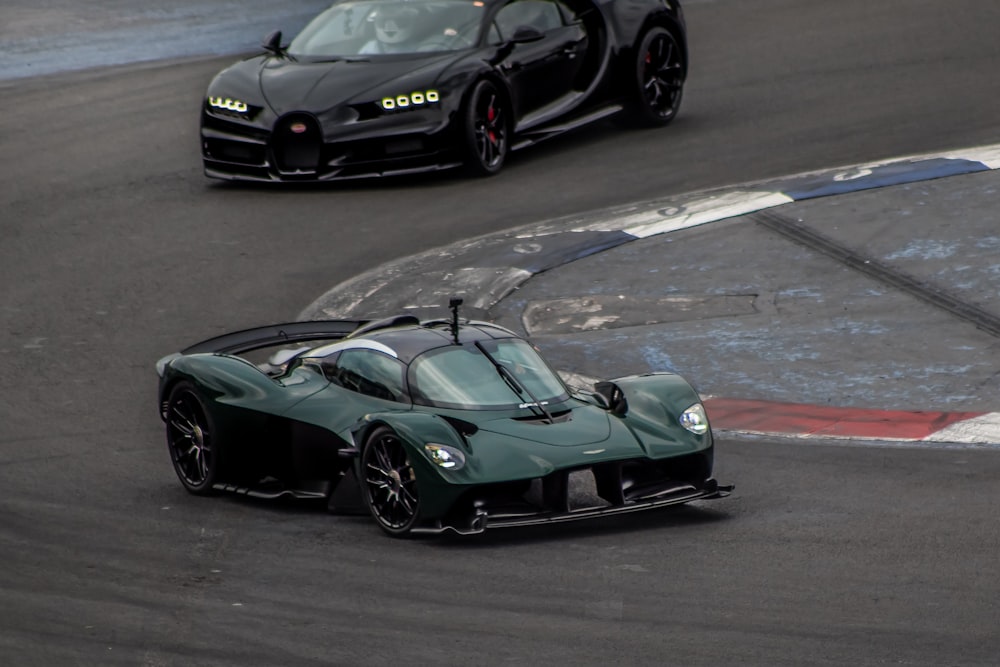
<point>525,34</point>
<point>272,43</point>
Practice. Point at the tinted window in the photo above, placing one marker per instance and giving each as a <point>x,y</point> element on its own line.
<point>368,372</point>
<point>539,14</point>
<point>371,27</point>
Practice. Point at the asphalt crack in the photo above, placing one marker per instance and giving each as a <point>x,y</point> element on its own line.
<point>871,267</point>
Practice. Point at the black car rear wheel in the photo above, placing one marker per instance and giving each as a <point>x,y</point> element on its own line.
<point>192,439</point>
<point>487,129</point>
<point>390,483</point>
<point>659,78</point>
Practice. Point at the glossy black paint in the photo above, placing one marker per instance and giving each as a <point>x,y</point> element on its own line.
<point>309,119</point>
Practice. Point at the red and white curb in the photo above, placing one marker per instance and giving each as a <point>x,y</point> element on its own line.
<point>737,416</point>
<point>795,420</point>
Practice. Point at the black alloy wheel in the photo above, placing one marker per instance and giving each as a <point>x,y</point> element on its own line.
<point>660,71</point>
<point>390,483</point>
<point>191,439</point>
<point>487,129</point>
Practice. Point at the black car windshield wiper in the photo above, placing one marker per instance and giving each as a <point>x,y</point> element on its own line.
<point>515,386</point>
<point>325,60</point>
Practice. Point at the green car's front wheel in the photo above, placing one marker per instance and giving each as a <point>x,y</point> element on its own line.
<point>390,483</point>
<point>192,439</point>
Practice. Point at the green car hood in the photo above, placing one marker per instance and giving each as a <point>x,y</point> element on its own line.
<point>580,426</point>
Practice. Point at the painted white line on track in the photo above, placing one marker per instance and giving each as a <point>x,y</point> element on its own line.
<point>702,211</point>
<point>981,430</point>
<point>988,155</point>
<point>821,437</point>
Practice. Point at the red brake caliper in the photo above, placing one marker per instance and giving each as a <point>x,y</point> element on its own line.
<point>490,116</point>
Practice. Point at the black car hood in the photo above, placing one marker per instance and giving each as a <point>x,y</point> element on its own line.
<point>301,85</point>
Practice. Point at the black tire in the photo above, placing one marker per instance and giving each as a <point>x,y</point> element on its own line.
<point>487,124</point>
<point>192,439</point>
<point>658,78</point>
<point>389,483</point>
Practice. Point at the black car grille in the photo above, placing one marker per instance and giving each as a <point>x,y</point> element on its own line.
<point>235,152</point>
<point>297,144</point>
<point>233,147</point>
<point>295,151</point>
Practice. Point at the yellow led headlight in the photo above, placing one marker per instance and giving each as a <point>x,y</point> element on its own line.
<point>228,104</point>
<point>417,98</point>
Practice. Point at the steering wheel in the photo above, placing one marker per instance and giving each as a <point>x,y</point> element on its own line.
<point>445,42</point>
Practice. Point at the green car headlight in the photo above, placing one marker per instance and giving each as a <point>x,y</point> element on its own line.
<point>445,456</point>
<point>694,419</point>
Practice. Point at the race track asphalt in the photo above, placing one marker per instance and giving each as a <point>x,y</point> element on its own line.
<point>114,250</point>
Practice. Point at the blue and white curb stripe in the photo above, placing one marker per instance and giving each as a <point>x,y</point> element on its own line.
<point>484,270</point>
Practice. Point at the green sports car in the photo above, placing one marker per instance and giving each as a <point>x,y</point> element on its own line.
<point>434,426</point>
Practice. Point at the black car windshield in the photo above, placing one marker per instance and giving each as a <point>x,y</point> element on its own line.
<point>462,377</point>
<point>369,27</point>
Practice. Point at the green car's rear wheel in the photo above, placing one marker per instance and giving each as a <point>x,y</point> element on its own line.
<point>191,439</point>
<point>390,483</point>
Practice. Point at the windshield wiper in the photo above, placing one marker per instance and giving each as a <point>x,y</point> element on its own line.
<point>515,386</point>
<point>326,60</point>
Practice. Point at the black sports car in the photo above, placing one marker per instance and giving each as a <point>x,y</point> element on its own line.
<point>382,87</point>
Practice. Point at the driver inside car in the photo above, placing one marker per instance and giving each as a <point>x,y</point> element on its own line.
<point>395,28</point>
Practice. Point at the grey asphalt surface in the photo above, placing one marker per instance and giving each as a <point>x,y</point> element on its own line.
<point>114,251</point>
<point>39,37</point>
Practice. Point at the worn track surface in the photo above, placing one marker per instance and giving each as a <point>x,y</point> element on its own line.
<point>115,250</point>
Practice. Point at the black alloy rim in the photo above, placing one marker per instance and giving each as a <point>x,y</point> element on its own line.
<point>662,75</point>
<point>490,128</point>
<point>391,482</point>
<point>190,439</point>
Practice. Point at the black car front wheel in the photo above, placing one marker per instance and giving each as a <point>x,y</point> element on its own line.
<point>659,78</point>
<point>390,483</point>
<point>487,129</point>
<point>192,439</point>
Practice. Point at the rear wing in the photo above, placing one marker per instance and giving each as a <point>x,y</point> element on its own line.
<point>248,340</point>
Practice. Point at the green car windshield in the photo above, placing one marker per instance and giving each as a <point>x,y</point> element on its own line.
<point>370,27</point>
<point>462,377</point>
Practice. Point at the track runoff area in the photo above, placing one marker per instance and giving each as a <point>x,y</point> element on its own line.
<point>488,269</point>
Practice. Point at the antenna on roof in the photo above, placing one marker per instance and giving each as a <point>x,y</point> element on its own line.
<point>454,303</point>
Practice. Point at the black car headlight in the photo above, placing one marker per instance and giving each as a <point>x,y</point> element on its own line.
<point>228,104</point>
<point>231,106</point>
<point>417,99</point>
